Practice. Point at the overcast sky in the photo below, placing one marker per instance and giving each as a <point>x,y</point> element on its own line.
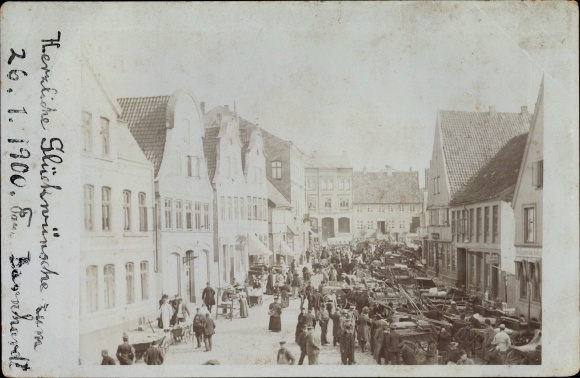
<point>365,78</point>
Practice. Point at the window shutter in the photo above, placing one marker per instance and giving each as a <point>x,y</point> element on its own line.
<point>535,174</point>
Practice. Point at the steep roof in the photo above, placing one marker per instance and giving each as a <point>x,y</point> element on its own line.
<point>323,160</point>
<point>380,187</point>
<point>498,178</point>
<point>210,142</point>
<point>276,197</point>
<point>470,139</point>
<point>146,119</point>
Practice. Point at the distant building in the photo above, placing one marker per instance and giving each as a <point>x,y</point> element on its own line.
<point>528,209</point>
<point>169,130</point>
<point>236,167</point>
<point>423,231</point>
<point>117,250</point>
<point>385,204</point>
<point>329,195</point>
<point>482,225</point>
<point>464,143</point>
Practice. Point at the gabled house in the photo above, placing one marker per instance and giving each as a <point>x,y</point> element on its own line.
<point>482,227</point>
<point>464,143</point>
<point>169,130</point>
<point>527,204</point>
<point>117,248</point>
<point>236,167</point>
<point>385,204</point>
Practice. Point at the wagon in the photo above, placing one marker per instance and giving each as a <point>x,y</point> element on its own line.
<point>181,333</point>
<point>141,341</point>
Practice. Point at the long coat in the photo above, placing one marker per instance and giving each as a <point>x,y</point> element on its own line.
<point>166,311</point>
<point>347,345</point>
<point>364,329</point>
<point>208,326</point>
<point>392,341</point>
<point>379,338</point>
<point>208,296</point>
<point>154,356</point>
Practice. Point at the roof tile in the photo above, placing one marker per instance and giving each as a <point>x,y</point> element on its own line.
<point>380,187</point>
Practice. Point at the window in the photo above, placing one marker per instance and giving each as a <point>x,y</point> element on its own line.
<point>360,225</point>
<point>453,257</point>
<point>168,213</point>
<point>206,223</point>
<point>328,203</point>
<point>311,184</point>
<point>236,208</point>
<point>486,225</point>
<point>401,225</point>
<point>323,184</point>
<point>471,224</point>
<point>312,202</point>
<point>390,208</point>
<point>391,224</point>
<point>479,225</point>
<point>344,202</point>
<point>340,184</point>
<point>142,212</point>
<point>198,216</point>
<point>178,215</point>
<point>130,278</point>
<point>538,174</point>
<point>106,208</point>
<point>535,281</point>
<point>401,207</point>
<point>127,210</point>
<point>359,209</point>
<point>242,209</point>
<point>249,208</point>
<point>92,294</point>
<point>230,208</point>
<point>144,280</point>
<point>529,225</point>
<point>188,215</point>
<point>254,208</point>
<point>347,184</point>
<point>369,208</point>
<point>370,225</point>
<point>522,281</point>
<point>330,184</point>
<point>109,274</point>
<point>106,139</point>
<point>193,166</point>
<point>277,170</point>
<point>223,208</point>
<point>411,207</point>
<point>89,195</point>
<point>87,124</point>
<point>453,228</point>
<point>494,223</point>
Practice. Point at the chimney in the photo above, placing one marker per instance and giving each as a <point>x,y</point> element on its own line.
<point>525,112</point>
<point>202,106</point>
<point>492,111</point>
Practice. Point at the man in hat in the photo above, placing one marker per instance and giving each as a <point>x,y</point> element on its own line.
<point>452,310</point>
<point>284,356</point>
<point>309,319</point>
<point>198,326</point>
<point>302,343</point>
<point>316,301</point>
<point>488,335</point>
<point>208,332</point>
<point>107,360</point>
<point>323,318</point>
<point>126,352</point>
<point>364,329</point>
<point>154,354</point>
<point>502,342</point>
<point>347,346</point>
<point>336,330</point>
<point>208,296</point>
<point>392,341</point>
<point>381,351</point>
<point>312,347</point>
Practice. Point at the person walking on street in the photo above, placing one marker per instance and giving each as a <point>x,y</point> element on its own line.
<point>198,327</point>
<point>275,312</point>
<point>299,324</point>
<point>312,347</point>
<point>302,343</point>
<point>208,297</point>
<point>309,319</point>
<point>295,285</point>
<point>323,318</point>
<point>364,330</point>
<point>285,357</point>
<point>107,360</point>
<point>392,341</point>
<point>488,335</point>
<point>126,352</point>
<point>336,330</point>
<point>380,345</point>
<point>208,332</point>
<point>307,256</point>
<point>502,342</point>
<point>347,346</point>
<point>165,314</point>
<point>154,354</point>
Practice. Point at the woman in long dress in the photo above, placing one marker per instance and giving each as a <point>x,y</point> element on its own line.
<point>275,311</point>
<point>243,305</point>
<point>166,312</point>
<point>284,297</point>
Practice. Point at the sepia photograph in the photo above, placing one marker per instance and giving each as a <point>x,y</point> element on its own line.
<point>302,183</point>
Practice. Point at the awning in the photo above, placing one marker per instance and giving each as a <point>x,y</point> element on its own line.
<point>285,249</point>
<point>292,231</point>
<point>256,247</point>
<point>313,233</point>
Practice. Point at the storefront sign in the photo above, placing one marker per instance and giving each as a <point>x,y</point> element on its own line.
<point>492,259</point>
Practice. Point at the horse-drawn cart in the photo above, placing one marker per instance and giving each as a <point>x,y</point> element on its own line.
<point>141,341</point>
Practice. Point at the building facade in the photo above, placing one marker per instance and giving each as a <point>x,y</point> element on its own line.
<point>236,166</point>
<point>528,210</point>
<point>169,130</point>
<point>385,203</point>
<point>464,143</point>
<point>482,227</point>
<point>329,196</point>
<point>117,248</point>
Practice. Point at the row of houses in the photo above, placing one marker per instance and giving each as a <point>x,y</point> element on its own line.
<point>481,220</point>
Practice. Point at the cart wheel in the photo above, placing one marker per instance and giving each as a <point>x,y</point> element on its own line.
<point>513,358</point>
<point>165,345</point>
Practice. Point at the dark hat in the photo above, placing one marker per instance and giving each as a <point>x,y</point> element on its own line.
<point>154,342</point>
<point>282,342</point>
<point>276,298</point>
